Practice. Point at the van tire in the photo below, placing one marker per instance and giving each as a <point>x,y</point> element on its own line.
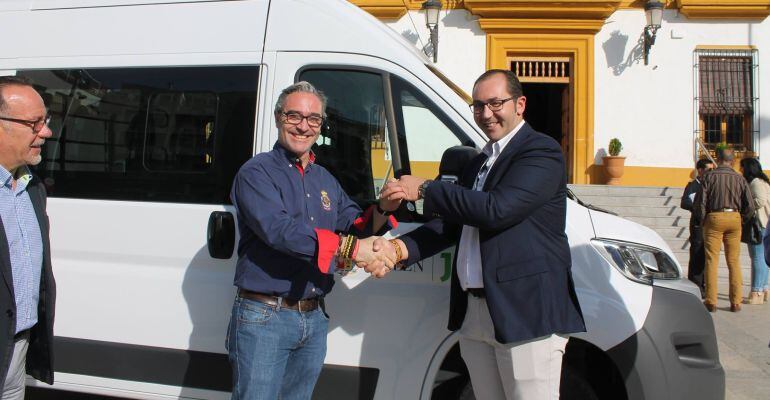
<point>575,387</point>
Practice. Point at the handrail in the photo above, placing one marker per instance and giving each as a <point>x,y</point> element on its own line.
<point>698,141</point>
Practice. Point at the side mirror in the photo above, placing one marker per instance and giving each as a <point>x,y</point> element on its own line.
<point>453,162</point>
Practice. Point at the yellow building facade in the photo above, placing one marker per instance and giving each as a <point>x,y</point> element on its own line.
<point>539,38</point>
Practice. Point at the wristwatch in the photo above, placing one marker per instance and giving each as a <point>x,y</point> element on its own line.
<point>422,188</point>
<point>383,212</point>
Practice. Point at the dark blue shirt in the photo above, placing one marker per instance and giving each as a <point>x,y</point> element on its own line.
<point>287,217</point>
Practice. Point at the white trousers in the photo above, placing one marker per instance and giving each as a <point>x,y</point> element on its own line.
<point>13,389</point>
<point>528,370</point>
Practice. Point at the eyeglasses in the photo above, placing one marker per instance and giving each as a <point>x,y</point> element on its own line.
<point>295,118</point>
<point>494,105</point>
<point>36,125</point>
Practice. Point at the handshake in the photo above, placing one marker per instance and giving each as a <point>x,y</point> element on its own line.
<point>377,255</point>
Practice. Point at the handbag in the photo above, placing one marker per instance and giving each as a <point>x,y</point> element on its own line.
<point>752,231</point>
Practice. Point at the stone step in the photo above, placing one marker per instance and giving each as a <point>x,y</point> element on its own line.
<point>647,211</point>
<point>683,256</point>
<point>672,232</point>
<point>606,190</point>
<point>604,200</point>
<point>661,222</point>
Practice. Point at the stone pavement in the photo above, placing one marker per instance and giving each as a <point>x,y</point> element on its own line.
<point>743,340</point>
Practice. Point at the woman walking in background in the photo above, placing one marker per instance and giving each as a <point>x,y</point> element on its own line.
<point>760,189</point>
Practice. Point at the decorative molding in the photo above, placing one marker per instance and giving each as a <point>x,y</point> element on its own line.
<point>448,4</point>
<point>394,9</point>
<point>725,47</point>
<point>639,4</point>
<point>382,9</point>
<point>580,49</point>
<point>517,25</point>
<point>585,9</point>
<point>724,9</point>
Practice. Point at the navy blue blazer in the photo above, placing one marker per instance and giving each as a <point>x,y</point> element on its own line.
<point>525,256</point>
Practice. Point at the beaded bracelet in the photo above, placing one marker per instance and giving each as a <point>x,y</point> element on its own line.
<point>347,250</point>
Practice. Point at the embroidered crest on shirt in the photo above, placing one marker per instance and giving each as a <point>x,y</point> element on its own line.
<point>326,202</point>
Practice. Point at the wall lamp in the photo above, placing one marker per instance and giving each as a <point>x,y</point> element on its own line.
<point>653,10</point>
<point>432,8</point>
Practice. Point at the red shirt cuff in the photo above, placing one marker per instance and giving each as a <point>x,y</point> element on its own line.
<point>361,222</point>
<point>328,242</point>
<point>392,221</point>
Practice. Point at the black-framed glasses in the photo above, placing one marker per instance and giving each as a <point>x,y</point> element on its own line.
<point>36,125</point>
<point>494,105</point>
<point>295,118</point>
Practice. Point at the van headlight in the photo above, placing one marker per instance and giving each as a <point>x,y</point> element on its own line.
<point>637,262</point>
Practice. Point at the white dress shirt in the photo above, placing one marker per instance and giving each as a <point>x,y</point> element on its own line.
<point>469,252</point>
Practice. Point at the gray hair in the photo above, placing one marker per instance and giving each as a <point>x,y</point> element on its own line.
<point>300,87</point>
<point>726,156</point>
<point>6,81</point>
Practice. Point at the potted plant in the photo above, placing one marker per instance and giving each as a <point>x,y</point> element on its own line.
<point>719,148</point>
<point>613,163</point>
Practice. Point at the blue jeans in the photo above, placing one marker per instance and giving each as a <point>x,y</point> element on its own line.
<point>759,270</point>
<point>275,351</point>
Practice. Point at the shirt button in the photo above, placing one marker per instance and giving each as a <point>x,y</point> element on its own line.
<point>311,218</point>
<point>307,194</point>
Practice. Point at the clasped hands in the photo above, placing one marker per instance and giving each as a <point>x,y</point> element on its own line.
<point>376,254</point>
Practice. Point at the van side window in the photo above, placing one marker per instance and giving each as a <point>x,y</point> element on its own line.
<point>425,129</point>
<point>352,145</point>
<point>147,134</point>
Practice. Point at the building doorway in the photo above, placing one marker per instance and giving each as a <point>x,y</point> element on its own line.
<point>546,110</point>
<point>547,86</point>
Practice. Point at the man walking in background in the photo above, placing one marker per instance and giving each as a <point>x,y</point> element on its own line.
<point>697,253</point>
<point>27,288</point>
<point>722,203</point>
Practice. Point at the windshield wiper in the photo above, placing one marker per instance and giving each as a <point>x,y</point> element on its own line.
<point>574,197</point>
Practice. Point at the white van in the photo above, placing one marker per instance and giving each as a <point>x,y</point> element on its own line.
<point>157,103</point>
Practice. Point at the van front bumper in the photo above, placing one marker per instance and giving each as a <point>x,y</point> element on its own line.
<point>675,354</point>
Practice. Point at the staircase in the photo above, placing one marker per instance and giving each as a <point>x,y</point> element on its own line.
<point>657,208</point>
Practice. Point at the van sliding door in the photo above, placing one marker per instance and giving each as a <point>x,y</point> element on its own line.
<point>139,161</point>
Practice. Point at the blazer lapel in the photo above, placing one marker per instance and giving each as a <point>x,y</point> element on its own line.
<point>38,203</point>
<point>472,170</point>
<point>5,259</point>
<point>510,150</point>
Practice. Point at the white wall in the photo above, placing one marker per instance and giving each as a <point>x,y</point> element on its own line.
<point>462,46</point>
<point>650,108</point>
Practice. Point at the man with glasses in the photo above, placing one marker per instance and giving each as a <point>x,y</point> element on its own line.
<point>513,300</point>
<point>28,295</point>
<point>296,225</point>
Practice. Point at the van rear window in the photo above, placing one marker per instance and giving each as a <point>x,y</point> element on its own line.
<point>147,134</point>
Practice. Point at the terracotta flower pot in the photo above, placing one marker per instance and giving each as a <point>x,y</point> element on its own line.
<point>613,168</point>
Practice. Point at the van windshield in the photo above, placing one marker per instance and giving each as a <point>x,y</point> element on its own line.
<point>463,95</point>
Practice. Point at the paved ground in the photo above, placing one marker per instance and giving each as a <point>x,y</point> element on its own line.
<point>743,345</point>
